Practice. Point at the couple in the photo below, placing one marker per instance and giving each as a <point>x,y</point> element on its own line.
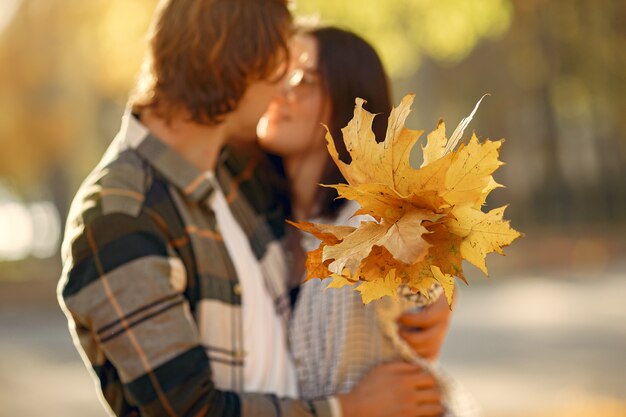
<point>178,279</point>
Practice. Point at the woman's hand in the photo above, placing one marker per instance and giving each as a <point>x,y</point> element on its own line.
<point>395,389</point>
<point>425,330</point>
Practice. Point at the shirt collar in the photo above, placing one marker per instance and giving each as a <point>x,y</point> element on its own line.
<point>193,183</point>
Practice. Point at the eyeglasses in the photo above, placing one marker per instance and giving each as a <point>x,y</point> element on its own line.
<point>300,83</point>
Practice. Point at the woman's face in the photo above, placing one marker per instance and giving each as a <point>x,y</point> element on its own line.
<point>292,123</point>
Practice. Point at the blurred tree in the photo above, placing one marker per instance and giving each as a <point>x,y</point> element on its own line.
<point>66,67</point>
<point>63,61</point>
<point>404,31</point>
<point>555,69</point>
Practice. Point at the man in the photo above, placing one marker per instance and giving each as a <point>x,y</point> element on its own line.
<point>173,279</point>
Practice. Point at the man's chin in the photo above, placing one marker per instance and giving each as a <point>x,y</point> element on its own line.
<point>245,142</point>
<point>248,138</point>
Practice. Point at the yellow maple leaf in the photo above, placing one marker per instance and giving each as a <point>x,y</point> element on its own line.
<point>424,221</point>
<point>470,172</point>
<point>362,146</point>
<point>386,162</point>
<point>491,185</point>
<point>446,281</point>
<point>420,277</point>
<point>397,146</point>
<point>435,147</point>
<point>376,265</point>
<point>376,200</point>
<point>445,250</point>
<point>339,281</point>
<point>431,178</point>
<point>482,233</point>
<point>350,252</point>
<point>375,289</point>
<point>403,239</point>
<point>380,201</point>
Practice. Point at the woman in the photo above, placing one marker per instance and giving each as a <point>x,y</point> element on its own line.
<point>335,338</point>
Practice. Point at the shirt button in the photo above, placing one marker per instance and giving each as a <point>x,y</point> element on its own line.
<point>237,289</point>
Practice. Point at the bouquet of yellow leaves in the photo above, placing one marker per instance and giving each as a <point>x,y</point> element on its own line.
<point>424,221</point>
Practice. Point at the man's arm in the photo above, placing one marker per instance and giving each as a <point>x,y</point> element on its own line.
<point>122,288</point>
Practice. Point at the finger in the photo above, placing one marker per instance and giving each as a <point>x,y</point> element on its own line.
<point>414,320</point>
<point>428,352</point>
<point>428,396</point>
<point>399,367</point>
<point>426,381</point>
<point>419,381</point>
<point>435,313</point>
<point>418,339</point>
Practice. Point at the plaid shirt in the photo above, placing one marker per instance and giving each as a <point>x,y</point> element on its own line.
<point>145,263</point>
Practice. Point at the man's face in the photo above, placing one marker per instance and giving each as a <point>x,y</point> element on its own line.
<point>251,107</point>
<point>254,103</point>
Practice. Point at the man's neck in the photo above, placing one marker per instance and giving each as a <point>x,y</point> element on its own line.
<point>199,144</point>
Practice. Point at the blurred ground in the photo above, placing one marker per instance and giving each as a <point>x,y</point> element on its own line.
<point>548,340</point>
<point>539,345</point>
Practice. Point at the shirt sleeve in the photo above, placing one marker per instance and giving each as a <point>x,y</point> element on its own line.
<point>335,407</point>
<point>122,290</point>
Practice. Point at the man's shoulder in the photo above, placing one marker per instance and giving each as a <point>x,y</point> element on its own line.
<point>118,185</point>
<point>109,209</point>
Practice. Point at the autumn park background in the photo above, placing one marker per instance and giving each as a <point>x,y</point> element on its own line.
<point>543,336</point>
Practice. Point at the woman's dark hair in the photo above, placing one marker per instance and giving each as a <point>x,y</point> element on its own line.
<point>348,67</point>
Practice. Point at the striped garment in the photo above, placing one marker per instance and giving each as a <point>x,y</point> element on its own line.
<point>151,295</point>
<point>335,339</point>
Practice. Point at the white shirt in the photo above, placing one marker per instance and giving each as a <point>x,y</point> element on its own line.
<point>268,366</point>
